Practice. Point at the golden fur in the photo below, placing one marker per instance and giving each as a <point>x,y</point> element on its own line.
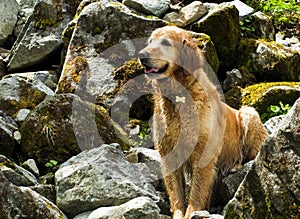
<point>194,131</point>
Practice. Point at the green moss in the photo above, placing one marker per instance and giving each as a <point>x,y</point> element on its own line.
<point>47,15</point>
<point>257,96</point>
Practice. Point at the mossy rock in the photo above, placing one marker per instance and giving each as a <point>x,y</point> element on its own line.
<point>268,60</point>
<point>63,125</point>
<point>261,96</point>
<point>222,25</point>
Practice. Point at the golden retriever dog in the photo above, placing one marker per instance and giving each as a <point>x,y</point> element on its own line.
<point>195,133</point>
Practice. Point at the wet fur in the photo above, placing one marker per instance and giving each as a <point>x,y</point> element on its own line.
<point>198,137</point>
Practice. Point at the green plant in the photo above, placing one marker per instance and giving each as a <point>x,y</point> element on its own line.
<point>50,165</point>
<point>246,26</point>
<point>275,110</point>
<point>284,13</point>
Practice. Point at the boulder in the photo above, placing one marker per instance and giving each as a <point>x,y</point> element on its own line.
<point>261,96</point>
<point>7,140</point>
<point>244,9</point>
<point>106,35</point>
<point>22,202</point>
<point>237,77</point>
<point>41,35</point>
<point>263,26</point>
<point>187,14</point>
<point>9,16</point>
<point>101,177</point>
<point>222,25</point>
<point>63,125</point>
<point>17,93</point>
<point>273,123</point>
<point>271,187</point>
<point>30,165</point>
<point>268,60</point>
<point>141,207</point>
<point>16,174</point>
<point>149,7</point>
<point>205,214</point>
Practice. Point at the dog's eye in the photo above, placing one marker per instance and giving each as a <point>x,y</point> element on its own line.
<point>165,42</point>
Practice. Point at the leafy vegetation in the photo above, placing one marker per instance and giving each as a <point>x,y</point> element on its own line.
<point>246,27</point>
<point>285,14</point>
<point>275,110</point>
<point>50,165</point>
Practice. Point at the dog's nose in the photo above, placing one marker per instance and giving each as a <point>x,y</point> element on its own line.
<point>143,56</point>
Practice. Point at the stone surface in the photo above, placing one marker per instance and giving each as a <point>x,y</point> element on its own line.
<point>187,14</point>
<point>30,165</point>
<point>268,60</point>
<point>262,95</point>
<point>154,7</point>
<point>205,214</point>
<point>101,177</point>
<point>22,202</point>
<point>17,93</point>
<point>21,115</point>
<point>16,174</point>
<point>237,77</point>
<point>7,142</point>
<point>141,207</point>
<point>273,123</point>
<point>222,25</point>
<point>9,16</point>
<point>263,26</point>
<point>98,48</point>
<point>41,35</point>
<point>271,188</point>
<point>63,125</point>
<point>244,9</point>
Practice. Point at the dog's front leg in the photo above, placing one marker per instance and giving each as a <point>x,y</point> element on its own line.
<point>175,187</point>
<point>201,187</point>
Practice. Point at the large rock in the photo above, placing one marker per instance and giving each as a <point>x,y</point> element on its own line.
<point>271,188</point>
<point>9,16</point>
<point>17,93</point>
<point>268,60</point>
<point>63,125</point>
<point>101,177</point>
<point>222,25</point>
<point>187,14</point>
<point>262,95</point>
<point>41,35</point>
<point>101,42</point>
<point>22,202</point>
<point>149,7</point>
<point>7,141</point>
<point>141,207</point>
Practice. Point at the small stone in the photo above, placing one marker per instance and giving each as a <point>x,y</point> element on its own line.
<point>30,165</point>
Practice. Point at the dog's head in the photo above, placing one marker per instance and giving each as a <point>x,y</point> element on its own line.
<point>166,52</point>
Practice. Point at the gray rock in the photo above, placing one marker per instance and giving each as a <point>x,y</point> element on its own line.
<point>9,16</point>
<point>21,115</point>
<point>244,10</point>
<point>30,165</point>
<point>141,207</point>
<point>237,77</point>
<point>101,177</point>
<point>22,202</point>
<point>205,214</point>
<point>225,34</point>
<point>98,48</point>
<point>16,174</point>
<point>48,191</point>
<point>271,188</point>
<point>46,77</point>
<point>41,35</point>
<point>17,93</point>
<point>149,157</point>
<point>269,61</point>
<point>154,7</point>
<point>187,14</point>
<point>7,143</point>
<point>63,125</point>
<point>274,123</point>
<point>263,26</point>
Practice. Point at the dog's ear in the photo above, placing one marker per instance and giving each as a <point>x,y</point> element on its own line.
<point>190,57</point>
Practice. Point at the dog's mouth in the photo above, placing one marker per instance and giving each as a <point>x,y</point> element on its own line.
<point>151,69</point>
